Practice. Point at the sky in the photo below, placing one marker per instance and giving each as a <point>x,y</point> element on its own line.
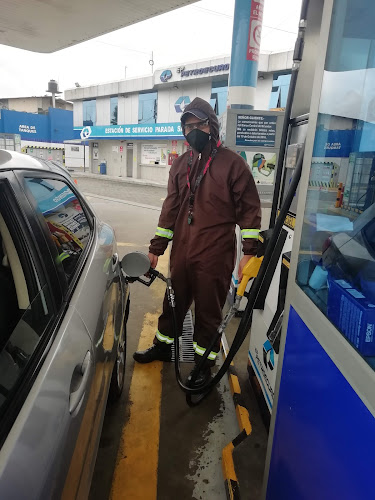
<point>199,31</point>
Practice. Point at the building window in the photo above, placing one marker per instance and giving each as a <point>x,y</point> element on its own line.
<point>219,95</point>
<point>280,89</point>
<point>89,113</point>
<point>114,110</point>
<point>147,108</point>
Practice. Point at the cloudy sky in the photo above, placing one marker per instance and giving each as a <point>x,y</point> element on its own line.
<point>199,31</point>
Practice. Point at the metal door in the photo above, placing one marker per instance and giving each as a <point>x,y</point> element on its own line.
<point>129,162</point>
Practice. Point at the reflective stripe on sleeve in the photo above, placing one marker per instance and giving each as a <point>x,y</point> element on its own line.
<point>165,233</point>
<point>62,256</point>
<point>201,350</point>
<point>163,338</point>
<point>250,233</point>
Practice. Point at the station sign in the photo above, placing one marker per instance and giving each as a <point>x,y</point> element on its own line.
<point>205,70</point>
<point>134,131</point>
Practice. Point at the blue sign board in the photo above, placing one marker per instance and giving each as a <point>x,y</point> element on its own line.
<point>136,131</point>
<point>333,143</point>
<point>56,126</point>
<point>256,130</point>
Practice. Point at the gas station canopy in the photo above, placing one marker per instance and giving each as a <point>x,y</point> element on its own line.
<point>50,25</point>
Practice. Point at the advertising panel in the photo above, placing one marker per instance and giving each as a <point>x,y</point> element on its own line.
<point>255,30</point>
<point>262,165</point>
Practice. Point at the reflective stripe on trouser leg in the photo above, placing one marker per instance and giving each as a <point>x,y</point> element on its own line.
<point>201,350</point>
<point>163,338</point>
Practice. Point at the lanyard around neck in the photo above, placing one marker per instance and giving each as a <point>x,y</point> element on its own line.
<point>203,173</point>
<point>199,178</point>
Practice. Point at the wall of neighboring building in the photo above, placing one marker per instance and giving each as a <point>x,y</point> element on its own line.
<point>34,104</point>
<point>27,105</point>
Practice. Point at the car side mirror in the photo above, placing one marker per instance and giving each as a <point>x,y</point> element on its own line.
<point>135,264</point>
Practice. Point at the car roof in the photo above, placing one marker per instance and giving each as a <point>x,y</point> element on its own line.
<point>11,160</point>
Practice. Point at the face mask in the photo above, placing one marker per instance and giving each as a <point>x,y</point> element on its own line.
<point>198,139</point>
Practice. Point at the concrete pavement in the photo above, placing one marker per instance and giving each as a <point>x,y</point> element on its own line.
<point>190,440</point>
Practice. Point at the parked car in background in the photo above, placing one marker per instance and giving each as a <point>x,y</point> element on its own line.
<point>63,309</point>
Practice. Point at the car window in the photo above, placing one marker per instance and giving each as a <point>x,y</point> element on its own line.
<point>65,218</point>
<point>25,312</point>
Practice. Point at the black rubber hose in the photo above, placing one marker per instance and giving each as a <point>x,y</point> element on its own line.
<point>297,58</point>
<point>245,323</point>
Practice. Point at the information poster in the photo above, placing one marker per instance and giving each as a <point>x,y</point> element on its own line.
<point>154,154</point>
<point>256,130</point>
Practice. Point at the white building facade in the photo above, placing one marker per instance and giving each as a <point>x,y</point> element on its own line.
<point>133,125</point>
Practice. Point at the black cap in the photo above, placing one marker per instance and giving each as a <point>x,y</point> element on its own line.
<point>198,113</point>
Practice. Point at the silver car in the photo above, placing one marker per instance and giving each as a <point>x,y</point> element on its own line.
<point>63,310</point>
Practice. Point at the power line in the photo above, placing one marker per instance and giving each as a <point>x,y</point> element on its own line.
<point>229,16</point>
<point>121,47</point>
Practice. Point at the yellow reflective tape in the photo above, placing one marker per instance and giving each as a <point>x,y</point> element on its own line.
<point>250,233</point>
<point>201,350</point>
<point>164,233</point>
<point>163,338</point>
<point>62,257</point>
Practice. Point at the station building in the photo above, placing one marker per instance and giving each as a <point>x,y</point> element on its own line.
<point>133,125</point>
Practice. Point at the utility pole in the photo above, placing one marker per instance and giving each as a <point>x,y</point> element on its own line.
<point>151,62</point>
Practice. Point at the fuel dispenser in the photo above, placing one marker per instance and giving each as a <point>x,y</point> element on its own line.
<point>322,428</point>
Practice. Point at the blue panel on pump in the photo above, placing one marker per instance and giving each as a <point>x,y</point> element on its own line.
<point>324,441</point>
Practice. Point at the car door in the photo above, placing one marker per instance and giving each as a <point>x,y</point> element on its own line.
<point>47,362</point>
<point>68,225</point>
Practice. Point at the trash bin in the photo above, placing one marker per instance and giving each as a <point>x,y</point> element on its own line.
<point>103,168</point>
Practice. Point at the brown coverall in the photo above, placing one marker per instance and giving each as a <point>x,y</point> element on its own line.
<point>202,256</point>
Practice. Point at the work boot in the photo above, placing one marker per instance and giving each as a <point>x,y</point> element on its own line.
<point>155,352</point>
<point>204,376</point>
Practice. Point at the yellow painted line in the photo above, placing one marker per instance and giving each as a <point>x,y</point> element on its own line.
<point>243,419</point>
<point>227,463</point>
<point>234,384</point>
<point>122,244</point>
<point>135,475</point>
